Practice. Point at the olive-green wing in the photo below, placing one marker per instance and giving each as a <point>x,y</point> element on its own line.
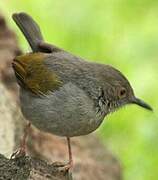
<point>32,73</point>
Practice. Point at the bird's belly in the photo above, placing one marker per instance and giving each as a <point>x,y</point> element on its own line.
<point>66,112</point>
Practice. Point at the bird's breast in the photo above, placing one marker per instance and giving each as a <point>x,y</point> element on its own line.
<point>65,112</point>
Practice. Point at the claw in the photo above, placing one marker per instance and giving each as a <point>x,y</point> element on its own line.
<point>68,166</point>
<point>63,166</point>
<point>18,153</point>
<point>21,152</point>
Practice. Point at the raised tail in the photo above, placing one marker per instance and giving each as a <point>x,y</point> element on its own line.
<point>30,29</point>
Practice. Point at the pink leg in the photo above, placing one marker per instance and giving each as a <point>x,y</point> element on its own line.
<point>70,152</point>
<point>69,165</point>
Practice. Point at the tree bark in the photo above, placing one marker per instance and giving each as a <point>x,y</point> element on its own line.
<point>27,168</point>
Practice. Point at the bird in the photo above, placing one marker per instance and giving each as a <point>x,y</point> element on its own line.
<point>63,94</point>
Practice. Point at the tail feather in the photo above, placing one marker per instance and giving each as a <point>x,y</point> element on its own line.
<point>33,34</point>
<point>29,28</point>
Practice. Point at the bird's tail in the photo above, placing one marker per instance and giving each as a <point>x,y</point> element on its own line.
<point>30,29</point>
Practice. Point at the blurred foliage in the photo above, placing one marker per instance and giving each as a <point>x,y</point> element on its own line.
<point>123,33</point>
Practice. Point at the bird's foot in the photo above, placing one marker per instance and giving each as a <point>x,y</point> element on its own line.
<point>68,166</point>
<point>64,166</point>
<point>21,152</point>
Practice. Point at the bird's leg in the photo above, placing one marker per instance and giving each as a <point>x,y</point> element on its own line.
<point>22,150</point>
<point>23,141</point>
<point>69,165</point>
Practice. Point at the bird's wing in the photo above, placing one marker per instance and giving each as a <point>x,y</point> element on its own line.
<point>32,73</point>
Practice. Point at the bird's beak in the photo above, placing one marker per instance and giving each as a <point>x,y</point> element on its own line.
<point>141,103</point>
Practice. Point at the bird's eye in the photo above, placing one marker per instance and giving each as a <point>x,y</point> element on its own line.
<point>122,92</point>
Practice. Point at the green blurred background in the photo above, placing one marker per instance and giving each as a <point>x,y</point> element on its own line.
<point>123,33</point>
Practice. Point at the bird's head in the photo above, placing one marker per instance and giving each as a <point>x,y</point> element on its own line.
<point>118,91</point>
